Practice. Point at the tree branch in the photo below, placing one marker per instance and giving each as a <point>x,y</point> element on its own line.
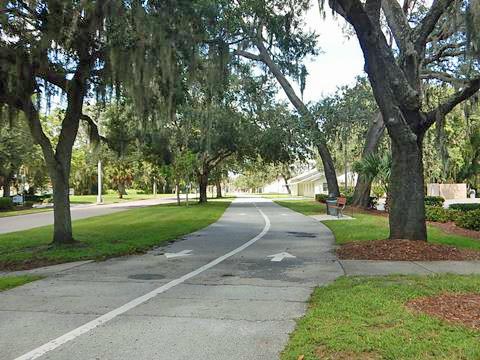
<point>441,76</point>
<point>247,55</point>
<point>94,134</point>
<point>427,25</point>
<point>37,132</point>
<point>397,22</point>
<point>447,50</point>
<point>283,81</point>
<point>468,91</point>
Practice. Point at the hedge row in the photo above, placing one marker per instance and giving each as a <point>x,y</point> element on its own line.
<point>323,198</point>
<point>465,219</point>
<point>439,214</point>
<point>465,207</point>
<point>6,203</point>
<point>469,220</point>
<point>434,201</point>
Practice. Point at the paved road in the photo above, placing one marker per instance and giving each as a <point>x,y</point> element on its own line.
<point>226,300</point>
<point>29,221</point>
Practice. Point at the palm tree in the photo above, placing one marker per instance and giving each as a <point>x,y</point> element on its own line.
<point>377,168</point>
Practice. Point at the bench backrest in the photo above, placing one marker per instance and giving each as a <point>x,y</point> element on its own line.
<point>341,201</point>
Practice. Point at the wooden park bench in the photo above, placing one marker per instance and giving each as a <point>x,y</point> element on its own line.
<point>340,206</point>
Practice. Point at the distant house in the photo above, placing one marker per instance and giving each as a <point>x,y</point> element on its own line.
<point>314,182</point>
<point>308,183</point>
<point>277,186</point>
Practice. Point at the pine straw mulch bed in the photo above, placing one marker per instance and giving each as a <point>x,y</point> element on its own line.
<point>451,228</point>
<point>403,250</point>
<point>448,227</point>
<point>456,308</point>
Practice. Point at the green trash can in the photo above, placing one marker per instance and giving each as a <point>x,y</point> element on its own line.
<point>330,209</point>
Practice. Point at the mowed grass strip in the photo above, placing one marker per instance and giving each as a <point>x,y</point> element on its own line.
<point>372,227</point>
<point>22,212</point>
<point>127,232</point>
<point>306,207</point>
<point>113,198</point>
<point>10,282</point>
<point>366,318</point>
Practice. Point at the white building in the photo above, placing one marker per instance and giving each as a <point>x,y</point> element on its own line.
<point>314,182</point>
<point>277,186</point>
<point>308,184</point>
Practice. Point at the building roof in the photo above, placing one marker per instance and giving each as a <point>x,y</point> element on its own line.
<point>310,175</point>
<point>314,175</point>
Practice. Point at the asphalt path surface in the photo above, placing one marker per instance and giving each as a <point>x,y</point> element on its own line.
<point>230,291</point>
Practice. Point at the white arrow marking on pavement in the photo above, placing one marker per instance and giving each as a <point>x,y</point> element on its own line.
<point>178,254</point>
<point>281,256</point>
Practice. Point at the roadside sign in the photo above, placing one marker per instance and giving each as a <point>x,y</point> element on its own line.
<point>17,199</point>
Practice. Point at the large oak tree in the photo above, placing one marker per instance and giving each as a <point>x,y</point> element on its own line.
<point>425,37</point>
<point>52,48</point>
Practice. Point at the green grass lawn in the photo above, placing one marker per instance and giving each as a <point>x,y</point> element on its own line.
<point>127,232</point>
<point>306,207</point>
<point>365,318</point>
<point>9,282</point>
<point>279,196</point>
<point>113,198</point>
<point>22,212</point>
<point>372,227</point>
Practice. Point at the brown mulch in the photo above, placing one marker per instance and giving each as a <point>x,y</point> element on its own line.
<point>456,308</point>
<point>404,250</point>
<point>448,227</point>
<point>451,228</point>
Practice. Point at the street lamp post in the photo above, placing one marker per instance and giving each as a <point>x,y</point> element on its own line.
<point>99,191</point>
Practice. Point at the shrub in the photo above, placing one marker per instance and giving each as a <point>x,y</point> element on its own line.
<point>464,207</point>
<point>349,199</point>
<point>434,200</point>
<point>439,214</point>
<point>37,198</point>
<point>28,204</point>
<point>321,198</point>
<point>469,220</point>
<point>6,203</point>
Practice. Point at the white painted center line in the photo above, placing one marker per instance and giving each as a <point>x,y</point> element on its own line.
<point>55,343</point>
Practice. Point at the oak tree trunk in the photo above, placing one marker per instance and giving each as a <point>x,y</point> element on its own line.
<point>6,188</point>
<point>329,170</point>
<point>218,185</point>
<point>407,207</point>
<point>121,190</point>
<point>361,195</point>
<point>286,184</point>
<point>177,191</point>
<point>328,165</point>
<point>62,226</point>
<point>363,188</point>
<point>203,184</point>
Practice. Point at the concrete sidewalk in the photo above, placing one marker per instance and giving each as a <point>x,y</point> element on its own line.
<point>376,267</point>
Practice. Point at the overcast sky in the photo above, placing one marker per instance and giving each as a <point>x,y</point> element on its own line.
<point>341,59</point>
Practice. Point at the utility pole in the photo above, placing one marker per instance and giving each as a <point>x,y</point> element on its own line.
<point>99,190</point>
<point>345,159</point>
